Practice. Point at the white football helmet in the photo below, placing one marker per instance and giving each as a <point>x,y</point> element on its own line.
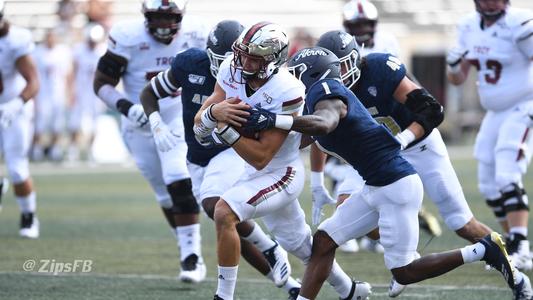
<point>163,18</point>
<point>360,20</point>
<point>265,42</point>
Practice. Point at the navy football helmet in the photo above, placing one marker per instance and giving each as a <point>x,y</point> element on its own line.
<point>312,64</point>
<point>219,43</point>
<point>344,46</point>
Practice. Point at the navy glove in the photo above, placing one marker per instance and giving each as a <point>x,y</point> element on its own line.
<point>259,119</point>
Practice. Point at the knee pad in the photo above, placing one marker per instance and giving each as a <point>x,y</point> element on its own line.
<point>514,198</point>
<point>497,208</point>
<point>182,197</point>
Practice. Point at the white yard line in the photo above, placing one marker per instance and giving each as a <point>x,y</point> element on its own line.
<point>248,280</point>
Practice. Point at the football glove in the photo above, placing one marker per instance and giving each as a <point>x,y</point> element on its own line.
<point>9,111</point>
<point>260,119</point>
<point>137,116</point>
<point>320,196</point>
<point>454,57</point>
<point>164,138</point>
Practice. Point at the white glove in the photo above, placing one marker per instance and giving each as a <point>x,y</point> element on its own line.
<point>137,116</point>
<point>320,196</point>
<point>454,57</point>
<point>164,138</point>
<point>9,111</point>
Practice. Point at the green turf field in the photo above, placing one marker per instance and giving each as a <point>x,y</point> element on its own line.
<point>110,217</point>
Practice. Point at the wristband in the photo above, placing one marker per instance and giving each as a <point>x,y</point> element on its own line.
<point>284,122</point>
<point>405,138</point>
<point>317,179</point>
<point>228,135</point>
<point>207,118</point>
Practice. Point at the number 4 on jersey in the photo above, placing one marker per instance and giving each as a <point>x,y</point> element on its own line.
<point>394,63</point>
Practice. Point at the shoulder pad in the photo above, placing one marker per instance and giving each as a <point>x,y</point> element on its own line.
<point>127,33</point>
<point>516,16</point>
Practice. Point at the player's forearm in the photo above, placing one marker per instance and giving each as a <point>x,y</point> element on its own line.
<point>416,129</point>
<point>458,76</point>
<point>317,159</point>
<point>30,90</point>
<point>253,152</point>
<point>149,100</point>
<point>312,125</point>
<point>210,100</point>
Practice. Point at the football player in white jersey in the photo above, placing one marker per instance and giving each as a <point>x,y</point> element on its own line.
<point>498,41</point>
<point>360,19</point>
<point>54,64</point>
<point>274,174</point>
<point>18,85</point>
<point>136,52</point>
<point>85,106</point>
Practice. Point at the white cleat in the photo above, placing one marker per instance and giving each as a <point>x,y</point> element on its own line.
<point>360,291</point>
<point>279,264</point>
<point>395,289</point>
<point>522,257</point>
<point>371,245</point>
<point>192,269</point>
<point>29,226</point>
<point>350,246</point>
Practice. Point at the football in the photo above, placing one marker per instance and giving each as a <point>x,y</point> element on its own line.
<point>247,133</point>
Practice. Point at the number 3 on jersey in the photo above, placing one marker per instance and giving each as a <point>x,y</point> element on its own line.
<point>492,65</point>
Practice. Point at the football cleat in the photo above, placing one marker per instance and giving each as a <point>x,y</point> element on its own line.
<point>518,248</point>
<point>523,290</point>
<point>279,264</point>
<point>29,226</point>
<point>360,291</point>
<point>192,269</point>
<point>429,223</point>
<point>371,245</point>
<point>293,293</point>
<point>4,186</point>
<point>395,288</point>
<point>496,256</point>
<point>217,298</point>
<point>350,246</point>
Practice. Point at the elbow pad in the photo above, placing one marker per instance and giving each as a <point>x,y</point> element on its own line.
<point>111,66</point>
<point>428,112</point>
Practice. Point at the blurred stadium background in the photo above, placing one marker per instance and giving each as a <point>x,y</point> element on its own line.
<point>106,213</point>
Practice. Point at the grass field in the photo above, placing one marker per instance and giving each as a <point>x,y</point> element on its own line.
<point>108,215</point>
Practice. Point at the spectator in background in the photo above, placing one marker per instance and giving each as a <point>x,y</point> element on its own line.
<point>301,38</point>
<point>53,65</point>
<point>99,12</point>
<point>85,105</point>
<point>66,10</point>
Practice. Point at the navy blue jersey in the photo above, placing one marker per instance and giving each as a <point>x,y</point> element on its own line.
<point>359,139</point>
<point>191,70</point>
<point>380,76</point>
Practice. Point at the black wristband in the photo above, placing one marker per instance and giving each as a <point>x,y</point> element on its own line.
<point>123,106</point>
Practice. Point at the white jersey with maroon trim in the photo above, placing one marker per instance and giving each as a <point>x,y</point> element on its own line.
<point>18,42</point>
<point>281,94</point>
<point>53,66</point>
<point>505,71</point>
<point>146,56</point>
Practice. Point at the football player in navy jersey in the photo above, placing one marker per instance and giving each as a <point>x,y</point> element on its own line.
<point>391,197</point>
<point>380,82</point>
<point>194,71</point>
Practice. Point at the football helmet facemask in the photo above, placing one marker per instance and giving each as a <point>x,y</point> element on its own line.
<point>493,11</point>
<point>163,18</point>
<point>360,18</point>
<point>259,51</point>
<point>343,45</point>
<point>312,64</point>
<point>219,43</point>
